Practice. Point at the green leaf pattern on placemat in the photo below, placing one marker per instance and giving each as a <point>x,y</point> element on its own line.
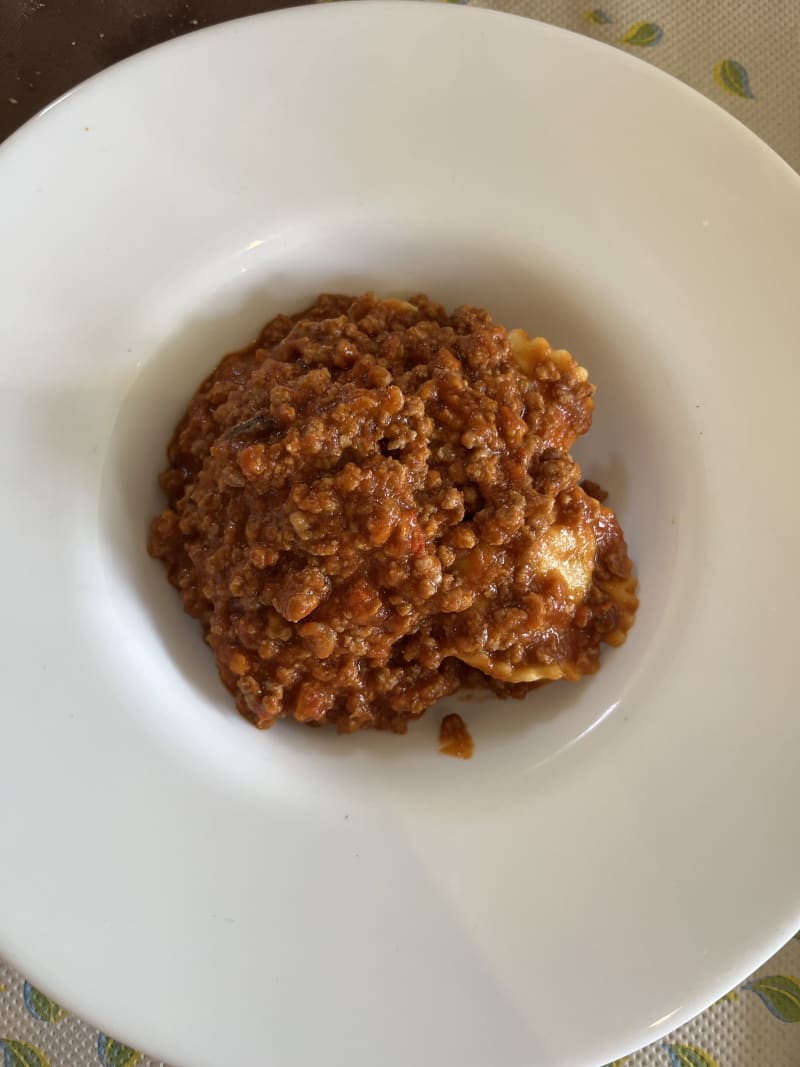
<point>642,34</point>
<point>689,1056</point>
<point>115,1054</point>
<point>727,998</point>
<point>20,1054</point>
<point>731,76</point>
<point>780,993</point>
<point>599,18</point>
<point>41,1007</point>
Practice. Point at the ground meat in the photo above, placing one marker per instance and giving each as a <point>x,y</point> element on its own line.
<point>374,505</point>
<point>454,737</point>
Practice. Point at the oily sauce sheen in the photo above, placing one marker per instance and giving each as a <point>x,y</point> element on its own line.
<point>374,505</point>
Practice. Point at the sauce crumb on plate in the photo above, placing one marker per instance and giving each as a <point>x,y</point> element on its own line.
<point>454,737</point>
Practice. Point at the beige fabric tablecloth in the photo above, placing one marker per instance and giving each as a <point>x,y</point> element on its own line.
<point>743,55</point>
<point>746,57</point>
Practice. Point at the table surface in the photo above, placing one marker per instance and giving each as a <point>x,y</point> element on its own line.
<point>48,46</point>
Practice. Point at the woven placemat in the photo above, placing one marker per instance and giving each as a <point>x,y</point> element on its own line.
<point>750,1027</point>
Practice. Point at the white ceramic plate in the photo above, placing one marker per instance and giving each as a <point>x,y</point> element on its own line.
<point>619,852</point>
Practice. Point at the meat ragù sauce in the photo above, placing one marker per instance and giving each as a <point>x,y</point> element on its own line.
<point>374,505</point>
<point>454,737</point>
